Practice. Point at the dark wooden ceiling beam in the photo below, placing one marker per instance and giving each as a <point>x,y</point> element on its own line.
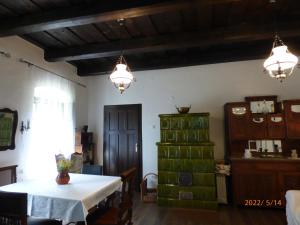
<point>93,13</point>
<point>226,53</point>
<point>254,51</point>
<point>168,42</point>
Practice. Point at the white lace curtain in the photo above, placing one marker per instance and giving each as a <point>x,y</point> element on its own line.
<point>52,123</point>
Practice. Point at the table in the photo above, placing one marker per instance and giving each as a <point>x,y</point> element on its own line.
<point>69,202</point>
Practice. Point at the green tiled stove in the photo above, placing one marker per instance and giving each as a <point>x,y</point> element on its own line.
<point>186,164</point>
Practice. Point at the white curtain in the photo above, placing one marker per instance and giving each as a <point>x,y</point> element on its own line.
<point>52,123</point>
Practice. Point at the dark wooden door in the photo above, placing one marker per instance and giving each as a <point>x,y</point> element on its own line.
<point>122,140</point>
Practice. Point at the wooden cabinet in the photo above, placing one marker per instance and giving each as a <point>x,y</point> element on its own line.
<point>259,186</point>
<point>263,181</point>
<point>237,115</point>
<point>243,125</point>
<point>84,144</point>
<point>292,118</point>
<point>270,126</point>
<point>276,126</point>
<point>257,127</point>
<point>257,182</point>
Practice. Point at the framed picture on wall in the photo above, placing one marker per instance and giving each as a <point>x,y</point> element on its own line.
<point>8,126</point>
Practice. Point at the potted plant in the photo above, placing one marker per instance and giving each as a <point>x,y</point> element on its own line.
<point>63,166</point>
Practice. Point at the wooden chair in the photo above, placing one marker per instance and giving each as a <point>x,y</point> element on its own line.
<point>77,163</point>
<point>13,211</point>
<point>13,208</point>
<point>120,214</point>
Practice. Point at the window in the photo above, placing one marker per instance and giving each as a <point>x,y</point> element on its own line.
<point>52,129</point>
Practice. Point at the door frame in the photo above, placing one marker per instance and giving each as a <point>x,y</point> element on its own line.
<point>139,141</point>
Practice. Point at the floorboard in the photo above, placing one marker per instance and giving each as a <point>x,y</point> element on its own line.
<point>151,214</point>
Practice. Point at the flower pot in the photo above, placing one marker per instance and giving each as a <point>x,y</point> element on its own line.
<point>62,178</point>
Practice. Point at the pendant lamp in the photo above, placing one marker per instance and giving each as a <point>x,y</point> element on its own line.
<point>281,61</point>
<point>121,76</point>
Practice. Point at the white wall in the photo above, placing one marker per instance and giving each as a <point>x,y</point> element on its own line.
<point>16,90</point>
<point>207,88</point>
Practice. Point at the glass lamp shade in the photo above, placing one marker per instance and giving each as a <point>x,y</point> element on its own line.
<point>121,77</point>
<point>281,63</point>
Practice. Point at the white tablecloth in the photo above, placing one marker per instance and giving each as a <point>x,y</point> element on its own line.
<point>293,207</point>
<point>69,202</point>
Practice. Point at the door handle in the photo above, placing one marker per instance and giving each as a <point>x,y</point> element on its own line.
<point>136,147</point>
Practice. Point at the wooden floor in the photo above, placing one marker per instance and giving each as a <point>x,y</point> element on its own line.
<point>151,214</point>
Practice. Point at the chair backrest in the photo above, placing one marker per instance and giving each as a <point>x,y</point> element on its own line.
<point>77,163</point>
<point>13,208</point>
<point>125,206</point>
<point>91,169</point>
<point>127,178</point>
